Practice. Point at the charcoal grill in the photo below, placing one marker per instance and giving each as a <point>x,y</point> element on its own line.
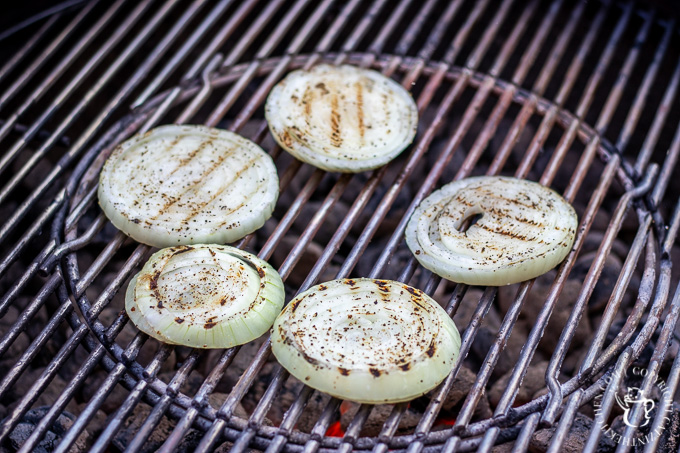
<point>579,96</point>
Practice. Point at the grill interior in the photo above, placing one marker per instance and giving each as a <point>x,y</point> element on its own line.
<point>581,97</point>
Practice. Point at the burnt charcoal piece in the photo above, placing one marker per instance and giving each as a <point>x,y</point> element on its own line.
<point>54,435</point>
<point>576,439</point>
<point>335,216</point>
<point>309,256</point>
<point>115,398</point>
<point>317,403</point>
<point>462,385</point>
<point>535,302</point>
<point>377,418</point>
<point>605,284</point>
<point>21,343</point>
<point>646,355</point>
<point>533,381</point>
<point>134,422</point>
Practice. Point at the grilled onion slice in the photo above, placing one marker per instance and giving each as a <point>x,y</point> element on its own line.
<point>188,185</point>
<point>341,118</point>
<point>525,230</point>
<point>370,341</point>
<point>204,296</point>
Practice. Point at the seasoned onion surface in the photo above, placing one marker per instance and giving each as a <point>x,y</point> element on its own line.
<point>205,296</point>
<point>525,229</point>
<point>370,341</point>
<point>341,118</point>
<point>188,185</point>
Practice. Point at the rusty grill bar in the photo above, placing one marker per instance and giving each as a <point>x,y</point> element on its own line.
<point>581,97</point>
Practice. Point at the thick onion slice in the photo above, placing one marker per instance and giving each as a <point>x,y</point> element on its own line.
<point>188,185</point>
<point>525,230</point>
<point>341,118</point>
<point>370,341</point>
<point>204,296</point>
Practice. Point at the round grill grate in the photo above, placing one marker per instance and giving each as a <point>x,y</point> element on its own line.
<point>460,134</point>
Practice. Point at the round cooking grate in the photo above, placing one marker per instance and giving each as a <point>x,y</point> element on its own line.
<point>460,134</point>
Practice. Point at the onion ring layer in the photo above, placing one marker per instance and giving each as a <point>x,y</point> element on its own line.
<point>204,296</point>
<point>370,341</point>
<point>525,230</point>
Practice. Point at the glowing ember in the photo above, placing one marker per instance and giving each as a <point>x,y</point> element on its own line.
<point>335,430</point>
<point>445,420</point>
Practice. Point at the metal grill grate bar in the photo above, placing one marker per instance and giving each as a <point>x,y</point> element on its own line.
<point>659,121</point>
<point>15,60</point>
<point>644,91</point>
<point>324,429</point>
<point>569,193</point>
<point>660,420</point>
<point>57,72</point>
<point>66,92</point>
<point>286,267</point>
<point>296,24</point>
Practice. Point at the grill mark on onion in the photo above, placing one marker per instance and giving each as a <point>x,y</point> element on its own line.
<point>220,225</point>
<point>192,186</point>
<point>360,110</point>
<point>307,99</point>
<point>192,154</point>
<point>336,137</point>
<point>197,210</point>
<point>183,162</point>
<point>386,101</point>
<point>286,139</point>
<point>431,349</point>
<point>181,249</point>
<point>511,201</point>
<point>510,234</point>
<point>462,201</point>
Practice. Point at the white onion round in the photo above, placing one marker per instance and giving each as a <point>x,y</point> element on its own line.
<point>525,230</point>
<point>341,118</point>
<point>205,296</point>
<point>188,185</point>
<point>370,341</point>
